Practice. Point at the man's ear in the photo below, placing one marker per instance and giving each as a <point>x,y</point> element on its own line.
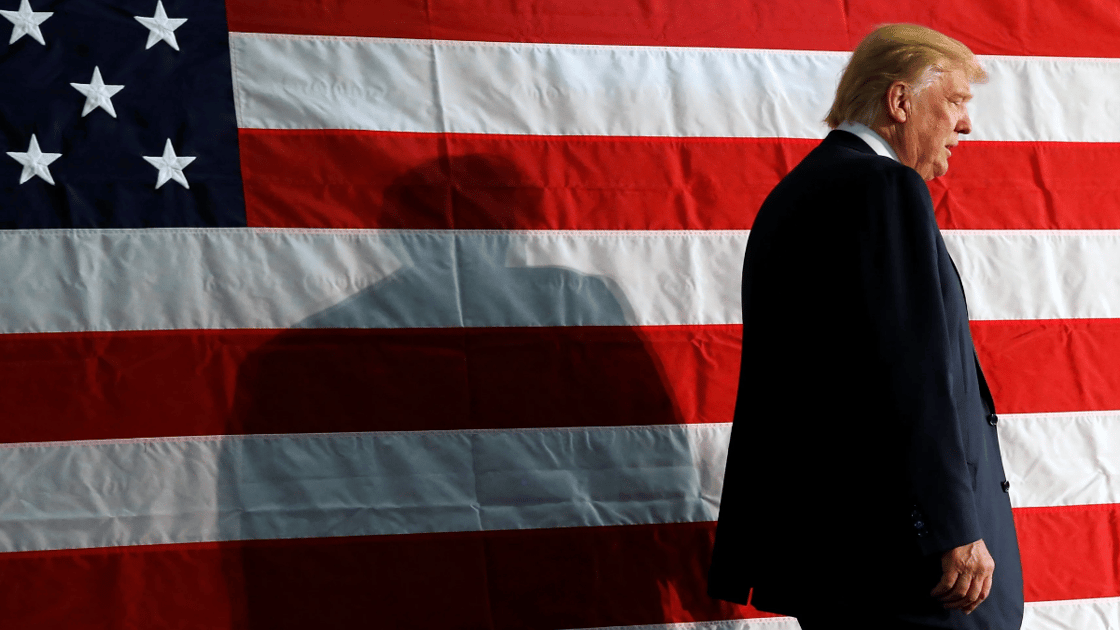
<point>899,102</point>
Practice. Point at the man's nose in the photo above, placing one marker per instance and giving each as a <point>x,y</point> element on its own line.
<point>964,125</point>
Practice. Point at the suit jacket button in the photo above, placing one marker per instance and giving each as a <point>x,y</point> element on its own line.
<point>1005,485</point>
<point>992,419</point>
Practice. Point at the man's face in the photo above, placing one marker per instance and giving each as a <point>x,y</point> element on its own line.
<point>937,117</point>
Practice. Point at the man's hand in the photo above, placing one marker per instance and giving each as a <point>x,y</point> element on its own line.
<point>966,577</point>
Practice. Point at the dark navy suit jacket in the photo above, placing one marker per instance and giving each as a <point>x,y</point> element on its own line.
<point>864,440</point>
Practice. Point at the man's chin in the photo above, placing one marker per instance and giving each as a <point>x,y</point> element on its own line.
<point>934,171</point>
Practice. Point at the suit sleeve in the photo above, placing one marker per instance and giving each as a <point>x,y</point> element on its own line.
<point>911,334</point>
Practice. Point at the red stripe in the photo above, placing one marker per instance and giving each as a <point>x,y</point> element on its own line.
<point>1029,186</point>
<point>171,383</point>
<point>1035,366</point>
<point>576,577</point>
<point>404,180</point>
<point>397,180</point>
<point>1002,27</point>
<point>1069,552</point>
<point>566,578</point>
<point>168,383</point>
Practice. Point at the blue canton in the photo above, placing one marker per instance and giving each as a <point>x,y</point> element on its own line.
<point>117,114</point>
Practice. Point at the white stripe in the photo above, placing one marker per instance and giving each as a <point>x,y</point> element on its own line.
<point>83,280</point>
<point>312,82</point>
<point>96,494</point>
<point>762,623</point>
<point>104,280</point>
<point>1038,274</point>
<point>1076,614</point>
<point>1061,458</point>
<point>297,82</point>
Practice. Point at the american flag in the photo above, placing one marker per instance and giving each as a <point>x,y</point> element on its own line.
<point>425,314</point>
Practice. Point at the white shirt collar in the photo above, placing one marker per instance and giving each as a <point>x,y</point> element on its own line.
<point>873,140</point>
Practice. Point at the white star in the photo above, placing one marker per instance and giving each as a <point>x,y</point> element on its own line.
<point>170,166</point>
<point>34,162</point>
<point>97,93</point>
<point>26,22</point>
<point>161,27</point>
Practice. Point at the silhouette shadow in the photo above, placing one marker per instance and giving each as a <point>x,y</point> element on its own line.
<point>458,339</point>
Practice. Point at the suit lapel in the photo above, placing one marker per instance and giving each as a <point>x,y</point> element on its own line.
<point>985,393</point>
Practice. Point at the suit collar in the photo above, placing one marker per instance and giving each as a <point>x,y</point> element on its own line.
<point>877,143</point>
<point>848,140</point>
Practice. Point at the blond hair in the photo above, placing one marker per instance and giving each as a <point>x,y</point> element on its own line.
<point>896,52</point>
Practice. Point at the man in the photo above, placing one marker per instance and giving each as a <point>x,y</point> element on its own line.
<point>864,486</point>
